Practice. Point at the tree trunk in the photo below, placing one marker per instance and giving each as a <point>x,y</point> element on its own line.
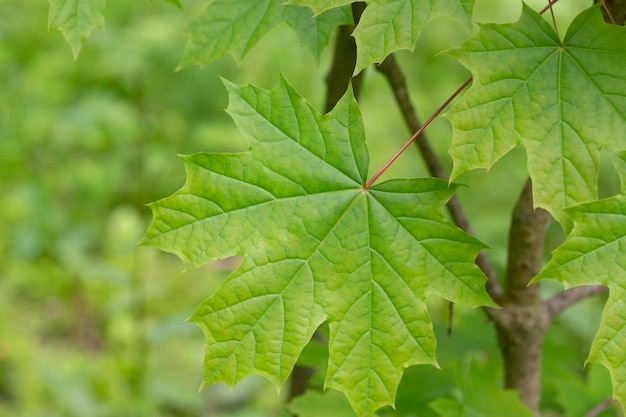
<point>523,320</point>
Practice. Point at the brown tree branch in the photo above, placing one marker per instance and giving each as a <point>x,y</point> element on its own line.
<point>395,77</point>
<point>614,11</point>
<point>522,322</point>
<point>566,298</point>
<point>548,7</point>
<point>600,408</point>
<point>526,239</point>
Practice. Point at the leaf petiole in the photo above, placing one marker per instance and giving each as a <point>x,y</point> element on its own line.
<point>416,134</point>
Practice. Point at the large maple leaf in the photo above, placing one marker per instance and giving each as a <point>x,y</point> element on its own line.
<point>562,101</point>
<point>318,246</point>
<point>595,253</point>
<point>235,26</point>
<point>387,26</point>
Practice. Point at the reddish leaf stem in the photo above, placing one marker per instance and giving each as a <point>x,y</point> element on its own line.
<point>608,13</point>
<point>556,29</point>
<point>549,6</point>
<point>416,134</point>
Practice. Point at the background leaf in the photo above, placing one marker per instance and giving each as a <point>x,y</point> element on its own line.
<point>387,26</point>
<point>328,403</point>
<point>562,102</point>
<point>480,396</point>
<point>235,26</point>
<point>76,19</point>
<point>594,253</point>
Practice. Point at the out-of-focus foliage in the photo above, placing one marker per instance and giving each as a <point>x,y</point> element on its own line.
<point>91,325</point>
<point>76,19</point>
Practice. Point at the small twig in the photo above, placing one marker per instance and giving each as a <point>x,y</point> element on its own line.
<point>549,6</point>
<point>556,29</point>
<point>600,408</point>
<point>566,298</point>
<point>608,13</point>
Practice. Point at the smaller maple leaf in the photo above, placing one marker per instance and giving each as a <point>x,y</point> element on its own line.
<point>563,101</point>
<point>595,253</point>
<point>387,26</point>
<point>317,246</point>
<point>236,26</point>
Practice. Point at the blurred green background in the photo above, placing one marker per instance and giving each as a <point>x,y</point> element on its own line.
<point>90,324</point>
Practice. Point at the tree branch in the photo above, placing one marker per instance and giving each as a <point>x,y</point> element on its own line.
<point>600,408</point>
<point>614,11</point>
<point>392,72</point>
<point>522,322</point>
<point>526,239</point>
<point>566,298</point>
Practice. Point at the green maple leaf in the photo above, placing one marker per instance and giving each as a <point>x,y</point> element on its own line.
<point>317,247</point>
<point>595,253</point>
<point>562,101</point>
<point>479,396</point>
<point>235,26</point>
<point>314,404</point>
<point>387,26</point>
<point>76,19</point>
